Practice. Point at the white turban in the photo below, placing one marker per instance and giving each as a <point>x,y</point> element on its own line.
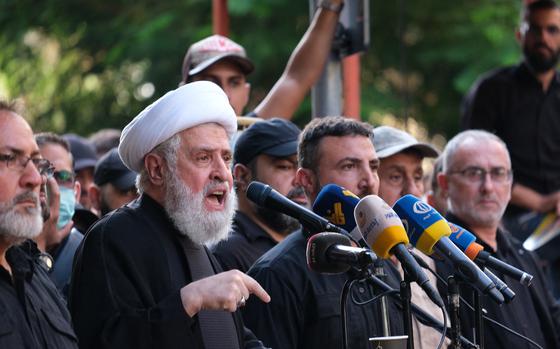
<point>188,106</point>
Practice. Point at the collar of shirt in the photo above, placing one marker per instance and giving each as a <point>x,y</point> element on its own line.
<point>522,72</point>
<point>503,245</point>
<point>249,228</point>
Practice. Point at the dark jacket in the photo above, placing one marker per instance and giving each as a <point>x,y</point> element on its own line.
<point>533,313</point>
<point>126,282</point>
<point>32,311</point>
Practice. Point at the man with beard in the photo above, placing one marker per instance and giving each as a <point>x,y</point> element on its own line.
<point>143,277</point>
<point>32,315</point>
<point>305,308</point>
<point>265,152</point>
<point>476,179</point>
<point>521,105</point>
<point>114,184</point>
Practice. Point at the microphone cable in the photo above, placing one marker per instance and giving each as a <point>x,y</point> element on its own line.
<point>471,308</point>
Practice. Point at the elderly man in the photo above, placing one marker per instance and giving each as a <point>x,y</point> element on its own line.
<point>33,313</point>
<point>305,307</point>
<point>477,179</point>
<point>143,277</point>
<point>265,152</point>
<point>401,173</point>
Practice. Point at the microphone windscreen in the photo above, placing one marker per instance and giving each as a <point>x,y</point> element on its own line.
<point>465,240</point>
<point>336,204</point>
<point>316,253</point>
<point>380,225</point>
<point>424,225</point>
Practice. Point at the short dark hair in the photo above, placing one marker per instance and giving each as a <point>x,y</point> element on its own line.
<point>105,140</point>
<point>317,129</point>
<point>538,5</point>
<point>44,138</point>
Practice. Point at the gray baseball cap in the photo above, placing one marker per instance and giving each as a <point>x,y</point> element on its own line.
<point>389,141</point>
<point>212,49</point>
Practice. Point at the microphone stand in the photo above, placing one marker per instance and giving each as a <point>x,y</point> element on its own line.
<point>364,273</point>
<point>380,273</point>
<point>406,295</point>
<point>453,300</point>
<point>478,325</point>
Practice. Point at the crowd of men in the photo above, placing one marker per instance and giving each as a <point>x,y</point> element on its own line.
<point>146,237</point>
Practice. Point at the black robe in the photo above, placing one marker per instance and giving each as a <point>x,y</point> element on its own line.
<point>126,282</point>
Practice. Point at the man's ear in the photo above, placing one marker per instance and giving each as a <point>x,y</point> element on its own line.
<point>77,191</point>
<point>242,176</point>
<point>443,182</point>
<point>95,196</point>
<point>306,179</point>
<point>155,167</point>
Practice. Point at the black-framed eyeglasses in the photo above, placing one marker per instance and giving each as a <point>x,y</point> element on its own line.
<point>64,177</point>
<point>475,174</point>
<point>20,161</point>
<point>536,30</point>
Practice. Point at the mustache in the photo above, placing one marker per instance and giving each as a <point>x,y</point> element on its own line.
<point>295,192</point>
<point>215,185</point>
<point>27,196</point>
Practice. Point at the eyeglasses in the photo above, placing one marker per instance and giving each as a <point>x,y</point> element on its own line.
<point>478,175</point>
<point>63,177</point>
<point>535,30</point>
<point>20,161</point>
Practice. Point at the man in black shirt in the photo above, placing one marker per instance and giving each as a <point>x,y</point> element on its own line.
<point>265,152</point>
<point>143,277</point>
<point>521,105</point>
<point>305,307</point>
<point>32,312</point>
<point>476,178</point>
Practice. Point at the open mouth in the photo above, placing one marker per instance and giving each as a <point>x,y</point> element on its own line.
<point>217,196</point>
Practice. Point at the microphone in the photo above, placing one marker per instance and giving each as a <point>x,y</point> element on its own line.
<point>265,196</point>
<point>332,253</point>
<point>429,231</point>
<point>466,242</point>
<point>384,232</point>
<point>336,204</point>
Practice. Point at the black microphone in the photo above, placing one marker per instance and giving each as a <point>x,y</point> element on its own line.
<point>332,253</point>
<point>265,196</point>
<point>466,241</point>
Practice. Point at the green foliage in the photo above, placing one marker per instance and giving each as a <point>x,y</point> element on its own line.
<point>82,65</point>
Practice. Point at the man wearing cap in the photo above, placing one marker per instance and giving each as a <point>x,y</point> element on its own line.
<point>143,277</point>
<point>114,183</point>
<point>401,173</point>
<point>220,60</point>
<point>265,152</point>
<point>85,159</point>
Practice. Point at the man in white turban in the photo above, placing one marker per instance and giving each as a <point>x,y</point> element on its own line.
<point>143,277</point>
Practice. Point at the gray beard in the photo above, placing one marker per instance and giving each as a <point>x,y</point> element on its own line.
<point>187,212</point>
<point>15,227</point>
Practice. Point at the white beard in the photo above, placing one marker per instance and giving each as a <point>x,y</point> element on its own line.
<point>16,226</point>
<point>188,214</point>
